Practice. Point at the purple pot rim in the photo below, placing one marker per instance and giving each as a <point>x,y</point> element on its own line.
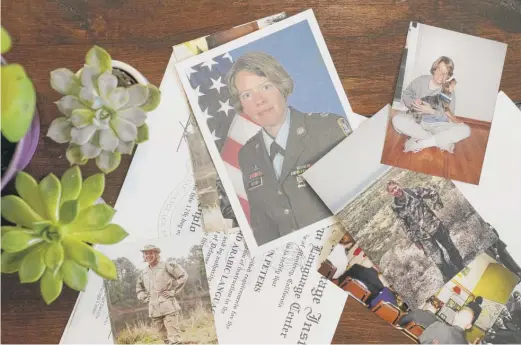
<point>24,151</point>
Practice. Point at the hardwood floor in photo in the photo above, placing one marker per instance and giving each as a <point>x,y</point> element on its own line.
<point>463,165</point>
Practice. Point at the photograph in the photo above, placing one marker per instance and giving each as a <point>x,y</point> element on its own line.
<point>443,103</point>
<point>418,229</point>
<point>481,301</point>
<point>216,209</point>
<point>267,113</point>
<point>161,295</point>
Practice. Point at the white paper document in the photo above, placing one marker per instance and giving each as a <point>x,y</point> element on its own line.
<point>277,297</point>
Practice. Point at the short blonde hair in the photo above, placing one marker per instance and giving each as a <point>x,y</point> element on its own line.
<point>447,61</point>
<point>263,65</point>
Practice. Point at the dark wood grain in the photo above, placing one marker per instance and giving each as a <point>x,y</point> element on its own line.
<point>365,38</point>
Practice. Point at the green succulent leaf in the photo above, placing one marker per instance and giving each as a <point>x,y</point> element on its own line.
<point>154,97</point>
<point>105,267</point>
<point>32,266</point>
<point>69,211</point>
<point>92,190</point>
<point>138,95</point>
<point>28,189</point>
<point>99,58</point>
<point>68,103</point>
<point>110,234</point>
<point>60,130</point>
<point>50,192</point>
<point>94,217</point>
<point>18,102</point>
<point>74,275</point>
<point>79,251</point>
<point>51,286</point>
<point>5,40</point>
<point>7,228</point>
<point>65,81</point>
<point>71,184</point>
<point>142,134</point>
<point>17,211</point>
<point>108,161</point>
<point>54,256</point>
<point>74,155</point>
<point>82,117</point>
<point>16,241</point>
<point>11,261</point>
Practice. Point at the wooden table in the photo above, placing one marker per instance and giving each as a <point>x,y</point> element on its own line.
<point>365,38</point>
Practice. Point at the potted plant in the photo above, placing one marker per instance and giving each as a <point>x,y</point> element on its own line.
<point>53,222</point>
<point>20,123</point>
<point>105,107</point>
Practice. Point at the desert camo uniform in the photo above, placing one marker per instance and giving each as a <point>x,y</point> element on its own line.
<point>280,199</point>
<point>426,230</point>
<point>164,311</point>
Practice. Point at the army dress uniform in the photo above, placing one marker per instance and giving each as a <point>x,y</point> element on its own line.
<point>424,228</point>
<point>280,199</point>
<point>164,311</point>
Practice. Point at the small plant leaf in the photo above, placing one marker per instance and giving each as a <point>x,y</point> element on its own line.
<point>107,84</point>
<point>60,130</point>
<point>28,189</point>
<point>6,229</point>
<point>5,40</point>
<point>79,251</point>
<point>18,102</point>
<point>50,192</point>
<point>88,75</point>
<point>69,211</point>
<point>74,275</point>
<point>94,217</point>
<point>126,147</point>
<point>92,190</point>
<point>137,116</point>
<point>71,184</point>
<point>54,256</point>
<point>16,241</point>
<point>142,134</point>
<point>82,135</point>
<point>105,267</point>
<point>154,97</point>
<point>138,95</point>
<point>32,265</point>
<point>74,155</point>
<point>108,161</point>
<point>65,82</point>
<point>82,117</point>
<point>11,261</point>
<point>68,103</point>
<point>51,286</point>
<point>17,211</point>
<point>110,234</point>
<point>88,97</point>
<point>99,58</point>
<point>125,130</point>
<point>108,140</point>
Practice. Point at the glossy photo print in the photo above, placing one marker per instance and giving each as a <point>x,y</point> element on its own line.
<point>267,113</point>
<point>444,103</point>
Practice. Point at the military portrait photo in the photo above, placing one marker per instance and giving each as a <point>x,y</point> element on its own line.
<point>161,295</point>
<point>444,103</point>
<point>418,229</point>
<point>267,113</point>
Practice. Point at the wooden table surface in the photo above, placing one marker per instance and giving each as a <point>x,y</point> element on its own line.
<point>365,39</point>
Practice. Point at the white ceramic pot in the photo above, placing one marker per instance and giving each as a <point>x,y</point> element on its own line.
<point>138,76</point>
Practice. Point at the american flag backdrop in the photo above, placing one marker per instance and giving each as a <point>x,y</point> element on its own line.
<point>230,130</point>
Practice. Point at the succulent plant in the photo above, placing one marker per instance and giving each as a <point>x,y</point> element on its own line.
<point>18,97</point>
<point>54,221</point>
<point>102,120</point>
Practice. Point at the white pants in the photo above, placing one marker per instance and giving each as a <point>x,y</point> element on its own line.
<point>446,133</point>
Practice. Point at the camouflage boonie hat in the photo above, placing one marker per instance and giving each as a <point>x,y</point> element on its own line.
<point>150,247</point>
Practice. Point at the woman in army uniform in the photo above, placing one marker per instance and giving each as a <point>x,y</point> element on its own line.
<point>290,141</point>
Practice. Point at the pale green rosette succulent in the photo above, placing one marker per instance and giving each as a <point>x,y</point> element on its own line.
<point>54,221</point>
<point>102,121</point>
